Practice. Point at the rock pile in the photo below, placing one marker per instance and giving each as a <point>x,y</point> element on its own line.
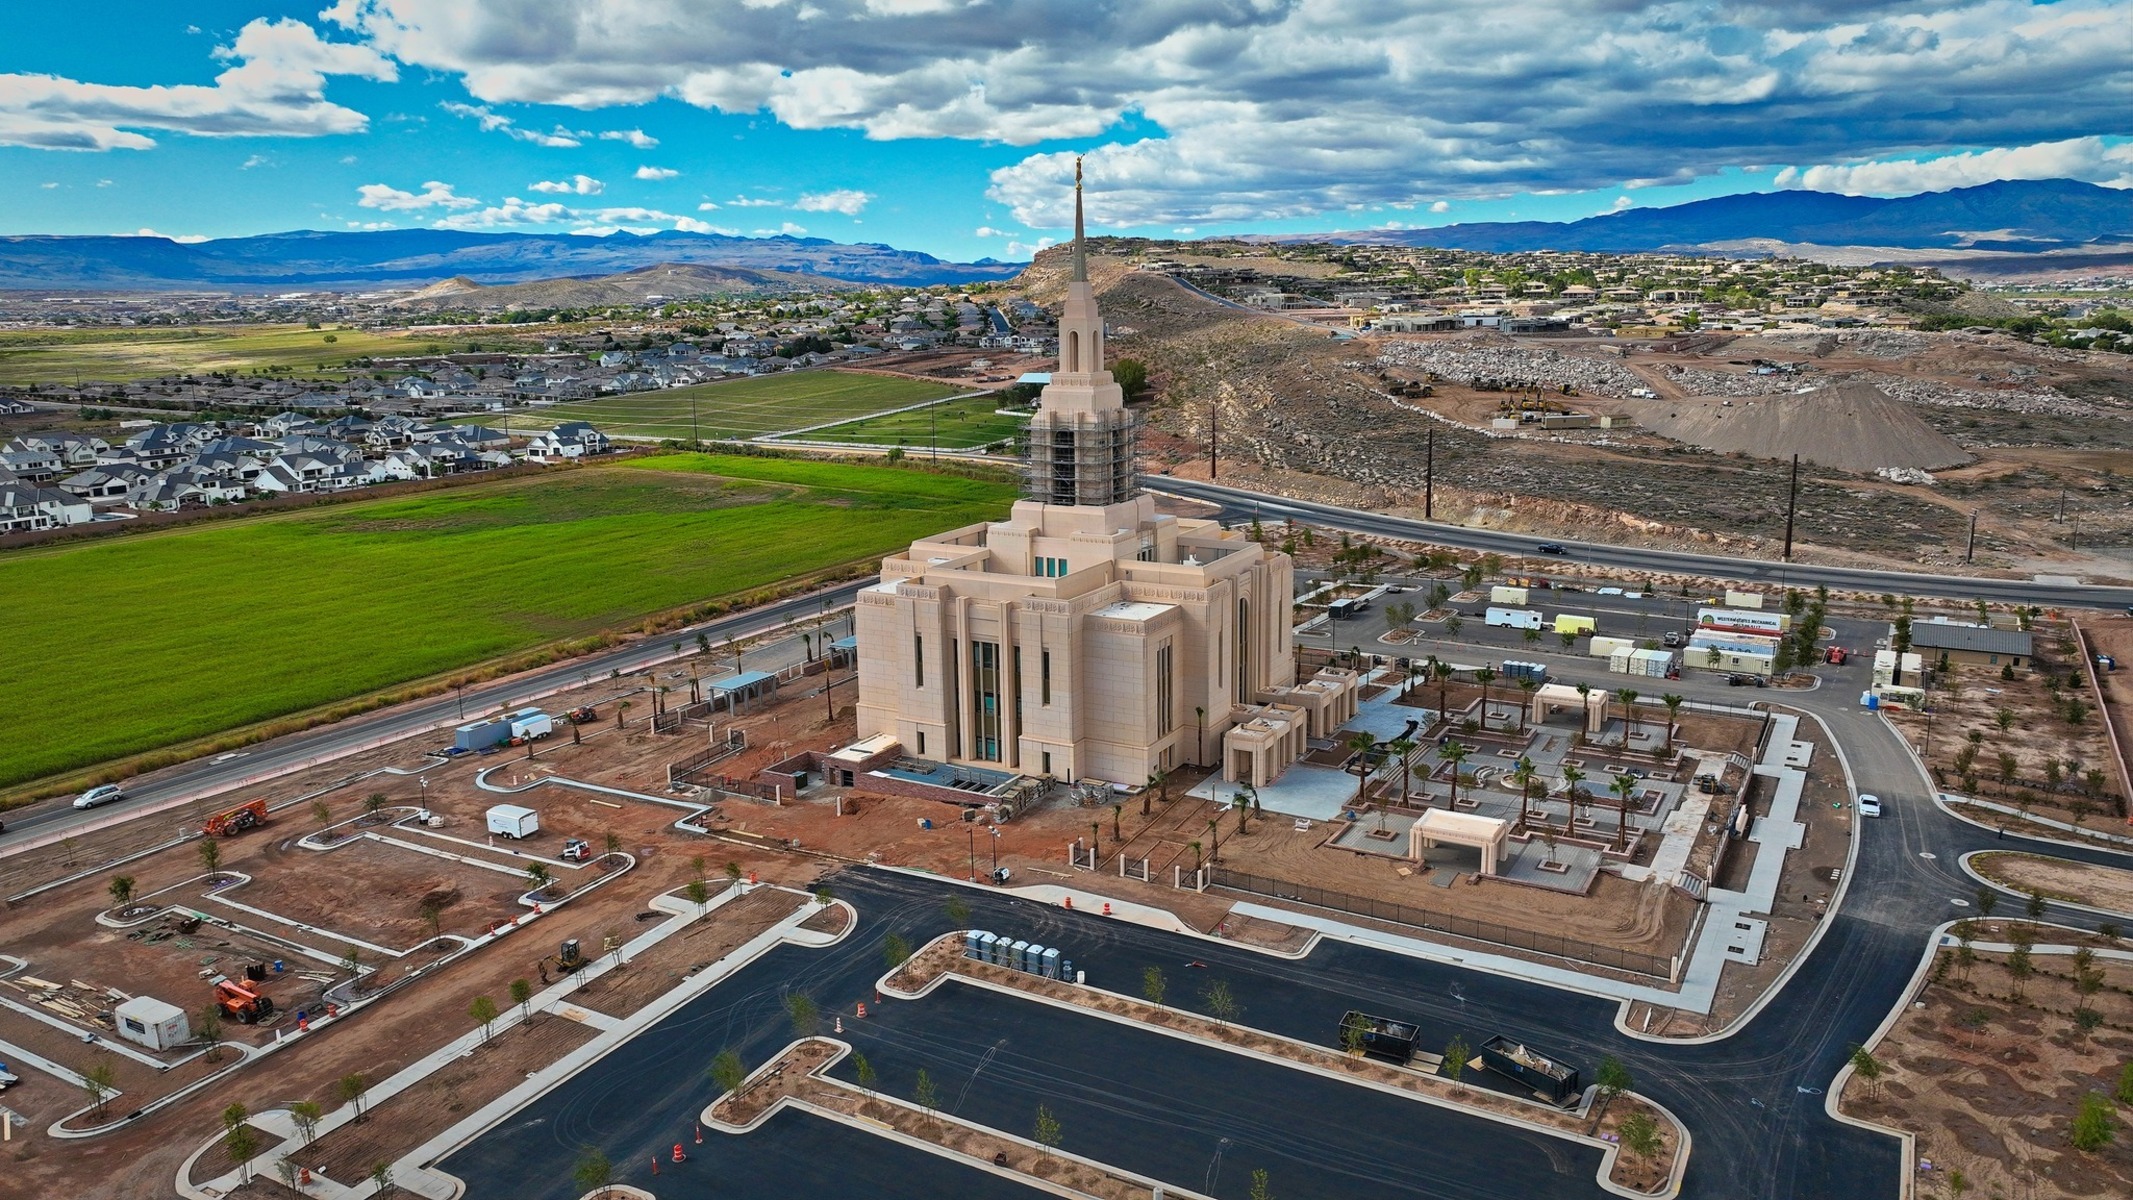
<point>1851,426</point>
<point>1490,356</point>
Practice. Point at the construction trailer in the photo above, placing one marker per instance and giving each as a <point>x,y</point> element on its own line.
<point>1652,664</point>
<point>1736,599</point>
<point>147,1021</point>
<point>1736,654</point>
<point>1507,595</point>
<point>1604,647</point>
<point>1739,620</point>
<point>513,821</point>
<point>1572,623</point>
<point>530,725</point>
<point>233,821</point>
<point>1513,618</point>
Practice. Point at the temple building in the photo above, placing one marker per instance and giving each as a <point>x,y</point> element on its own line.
<point>1085,636</point>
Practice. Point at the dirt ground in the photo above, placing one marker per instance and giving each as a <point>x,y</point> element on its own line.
<point>1990,1085</point>
<point>2082,883</point>
<point>408,1119</point>
<point>2113,636</point>
<point>2038,735</point>
<point>396,883</point>
<point>711,937</point>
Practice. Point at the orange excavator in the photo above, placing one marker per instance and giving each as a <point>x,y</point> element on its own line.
<point>231,822</point>
<point>239,1000</point>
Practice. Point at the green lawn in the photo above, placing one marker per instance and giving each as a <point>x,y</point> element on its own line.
<point>738,408</point>
<point>119,355</point>
<point>137,642</point>
<point>960,425</point>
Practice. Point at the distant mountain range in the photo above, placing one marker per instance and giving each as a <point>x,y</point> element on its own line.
<point>413,258</point>
<point>664,281</point>
<point>2018,215</point>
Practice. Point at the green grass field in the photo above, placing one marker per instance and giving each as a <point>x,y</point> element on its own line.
<point>960,425</point>
<point>138,642</point>
<point>120,355</point>
<point>739,408</point>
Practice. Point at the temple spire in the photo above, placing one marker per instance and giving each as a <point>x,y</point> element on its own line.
<point>1081,258</point>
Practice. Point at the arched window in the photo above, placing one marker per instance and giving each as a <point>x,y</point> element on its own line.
<point>1073,351</point>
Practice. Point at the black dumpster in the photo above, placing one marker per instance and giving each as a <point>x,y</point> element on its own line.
<point>1556,1082</point>
<point>1380,1037</point>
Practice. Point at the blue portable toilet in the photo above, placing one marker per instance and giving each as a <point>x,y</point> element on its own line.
<point>1017,951</point>
<point>1051,963</point>
<point>1033,959</point>
<point>1872,701</point>
<point>970,943</point>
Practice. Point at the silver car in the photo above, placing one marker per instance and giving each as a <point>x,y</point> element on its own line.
<point>1869,805</point>
<point>100,795</point>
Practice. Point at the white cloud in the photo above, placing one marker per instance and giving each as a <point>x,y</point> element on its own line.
<point>692,225</point>
<point>709,206</point>
<point>787,229</point>
<point>513,211</point>
<point>749,202</point>
<point>348,160</point>
<point>635,137</point>
<point>186,239</point>
<point>1621,202</point>
<point>988,231</point>
<point>48,186</point>
<point>434,194</point>
<point>576,185</point>
<point>105,183</point>
<point>372,226</point>
<point>274,86</point>
<point>656,173</point>
<point>848,201</point>
<point>1029,249</point>
<point>256,160</point>
<point>1277,109</point>
<point>2088,158</point>
<point>492,121</point>
<point>1441,206</point>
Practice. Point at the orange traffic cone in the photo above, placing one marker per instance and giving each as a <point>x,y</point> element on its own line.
<point>840,1023</point>
<point>699,1135</point>
<point>1107,908</point>
<point>678,1155</point>
<point>655,1164</point>
<point>862,1010</point>
<point>1070,902</point>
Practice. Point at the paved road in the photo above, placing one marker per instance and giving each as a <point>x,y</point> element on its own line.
<point>286,753</point>
<point>1240,504</point>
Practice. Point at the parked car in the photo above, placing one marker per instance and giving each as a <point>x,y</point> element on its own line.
<point>1671,640</point>
<point>1869,805</point>
<point>1552,548</point>
<point>104,794</point>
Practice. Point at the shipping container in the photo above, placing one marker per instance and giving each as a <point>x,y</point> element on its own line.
<point>1743,599</point>
<point>1602,647</point>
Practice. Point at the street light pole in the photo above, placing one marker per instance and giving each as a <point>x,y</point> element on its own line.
<point>995,853</point>
<point>973,854</point>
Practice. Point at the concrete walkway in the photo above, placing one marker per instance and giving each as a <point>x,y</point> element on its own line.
<point>412,1173</point>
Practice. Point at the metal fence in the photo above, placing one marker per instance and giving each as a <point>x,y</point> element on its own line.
<point>1458,926</point>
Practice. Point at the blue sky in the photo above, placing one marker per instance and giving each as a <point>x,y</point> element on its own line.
<point>949,125</point>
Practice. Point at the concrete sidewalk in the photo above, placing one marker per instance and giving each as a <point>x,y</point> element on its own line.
<point>412,1172</point>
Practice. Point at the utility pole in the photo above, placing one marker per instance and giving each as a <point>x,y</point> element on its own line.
<point>1214,414</point>
<point>1429,475</point>
<point>1792,506</point>
<point>696,437</point>
<point>1970,544</point>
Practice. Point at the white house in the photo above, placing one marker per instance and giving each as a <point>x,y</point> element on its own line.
<point>571,439</point>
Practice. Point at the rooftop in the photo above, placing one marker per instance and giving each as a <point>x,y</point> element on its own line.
<point>1931,635</point>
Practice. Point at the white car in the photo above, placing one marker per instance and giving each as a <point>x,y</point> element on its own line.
<point>1869,805</point>
<point>100,795</point>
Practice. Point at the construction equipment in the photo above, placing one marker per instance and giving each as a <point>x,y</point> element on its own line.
<point>577,850</point>
<point>231,822</point>
<point>584,714</point>
<point>567,959</point>
<point>238,999</point>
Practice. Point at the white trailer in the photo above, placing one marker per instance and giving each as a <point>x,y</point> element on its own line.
<point>1513,618</point>
<point>152,1023</point>
<point>530,725</point>
<point>513,821</point>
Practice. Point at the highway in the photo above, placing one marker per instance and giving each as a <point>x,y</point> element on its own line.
<point>290,752</point>
<point>1239,504</point>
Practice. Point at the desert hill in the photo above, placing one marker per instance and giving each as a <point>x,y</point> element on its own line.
<point>664,280</point>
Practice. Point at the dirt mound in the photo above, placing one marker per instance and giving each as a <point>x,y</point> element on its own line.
<point>1851,426</point>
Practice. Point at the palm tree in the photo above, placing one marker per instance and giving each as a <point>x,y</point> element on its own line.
<point>1673,713</point>
<point>1484,677</point>
<point>1628,697</point>
<point>1404,746</point>
<point>1622,786</point>
<point>1360,744</point>
<point>1526,687</point>
<point>1584,708</point>
<point>1440,671</point>
<point>1523,773</point>
<point>1572,777</point>
<point>1455,754</point>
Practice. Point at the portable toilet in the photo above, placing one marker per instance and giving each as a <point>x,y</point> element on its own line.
<point>1033,959</point>
<point>152,1023</point>
<point>974,944</point>
<point>1051,962</point>
<point>1017,951</point>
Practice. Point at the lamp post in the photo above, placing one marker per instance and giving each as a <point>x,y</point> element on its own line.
<point>995,853</point>
<point>973,854</point>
